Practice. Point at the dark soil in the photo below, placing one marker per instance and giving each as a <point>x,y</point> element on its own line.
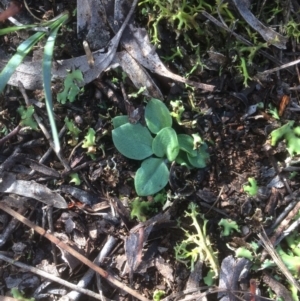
<point>99,208</point>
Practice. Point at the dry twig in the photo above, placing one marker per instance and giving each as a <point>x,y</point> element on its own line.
<point>70,250</point>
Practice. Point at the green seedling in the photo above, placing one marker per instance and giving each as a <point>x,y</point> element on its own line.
<point>228,226</point>
<point>292,29</point>
<point>290,134</point>
<point>158,295</point>
<point>177,110</point>
<point>293,241</point>
<point>197,246</point>
<point>251,189</point>
<point>71,89</point>
<point>75,178</point>
<point>136,94</point>
<point>181,15</point>
<point>73,131</point>
<point>89,143</point>
<point>244,253</point>
<point>19,296</point>
<point>141,209</point>
<point>136,141</point>
<point>26,117</point>
<point>209,279</point>
<point>273,111</point>
<point>244,71</point>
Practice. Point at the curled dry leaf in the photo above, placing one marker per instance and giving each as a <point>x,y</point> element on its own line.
<point>31,189</point>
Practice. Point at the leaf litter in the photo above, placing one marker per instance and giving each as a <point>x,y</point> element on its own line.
<point>147,250</point>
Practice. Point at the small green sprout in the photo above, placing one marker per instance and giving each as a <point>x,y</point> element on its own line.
<point>19,296</point>
<point>244,253</point>
<point>197,246</point>
<point>228,226</point>
<point>26,117</point>
<point>139,209</point>
<point>158,294</point>
<point>71,89</point>
<point>89,143</point>
<point>75,178</point>
<point>273,111</point>
<point>292,29</point>
<point>291,136</point>
<point>209,278</point>
<point>244,71</point>
<point>291,261</point>
<point>136,94</point>
<point>177,110</point>
<point>73,131</point>
<point>252,188</point>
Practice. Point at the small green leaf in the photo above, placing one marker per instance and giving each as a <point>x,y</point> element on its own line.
<point>157,115</point>
<point>200,161</point>
<point>186,143</point>
<point>166,144</point>
<point>75,178</point>
<point>134,141</point>
<point>139,209</point>
<point>252,188</point>
<point>26,117</point>
<point>244,253</point>
<point>183,160</point>
<point>119,120</point>
<point>228,226</point>
<point>89,139</point>
<point>151,177</point>
<point>209,279</point>
<point>291,136</point>
<point>71,88</point>
<point>73,131</point>
<point>158,294</point>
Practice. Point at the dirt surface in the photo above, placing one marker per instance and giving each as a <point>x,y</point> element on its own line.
<point>94,217</point>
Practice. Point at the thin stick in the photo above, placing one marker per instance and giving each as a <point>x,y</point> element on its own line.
<point>49,276</point>
<point>14,132</point>
<point>272,252</point>
<point>281,67</point>
<point>70,250</point>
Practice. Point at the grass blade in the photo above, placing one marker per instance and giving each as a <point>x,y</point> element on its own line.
<point>47,63</point>
<point>17,58</point>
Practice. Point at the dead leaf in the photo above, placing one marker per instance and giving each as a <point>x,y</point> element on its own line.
<point>31,189</point>
<point>269,35</point>
<point>136,42</point>
<point>230,274</point>
<point>138,75</point>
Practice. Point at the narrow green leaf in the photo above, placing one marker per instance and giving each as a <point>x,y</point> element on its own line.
<point>151,177</point>
<point>47,66</point>
<point>157,115</point>
<point>166,144</point>
<point>134,141</point>
<point>17,58</point>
